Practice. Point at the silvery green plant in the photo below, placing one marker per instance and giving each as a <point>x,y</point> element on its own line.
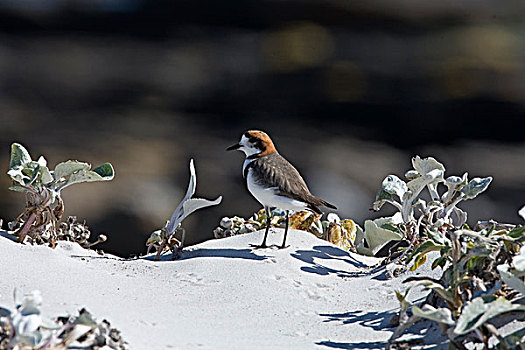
<point>166,237</point>
<point>477,265</point>
<point>414,214</point>
<point>74,231</point>
<point>235,226</point>
<point>26,329</point>
<point>43,187</point>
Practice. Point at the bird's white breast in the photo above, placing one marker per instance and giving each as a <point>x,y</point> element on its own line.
<point>268,196</point>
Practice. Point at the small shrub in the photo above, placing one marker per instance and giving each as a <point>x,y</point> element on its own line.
<point>42,188</point>
<point>416,218</point>
<point>483,266</point>
<point>165,238</point>
<point>26,329</point>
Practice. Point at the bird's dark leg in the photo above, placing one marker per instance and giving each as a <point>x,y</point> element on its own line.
<point>285,229</point>
<point>268,224</point>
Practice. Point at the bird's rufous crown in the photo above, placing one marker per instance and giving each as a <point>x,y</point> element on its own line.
<point>262,140</point>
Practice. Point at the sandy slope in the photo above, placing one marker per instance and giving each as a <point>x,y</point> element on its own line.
<point>220,295</point>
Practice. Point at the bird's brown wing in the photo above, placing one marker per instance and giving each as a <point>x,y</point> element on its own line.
<point>274,171</point>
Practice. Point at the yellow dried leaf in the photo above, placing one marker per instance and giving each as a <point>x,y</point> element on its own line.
<point>351,229</point>
<point>301,220</point>
<point>420,260</point>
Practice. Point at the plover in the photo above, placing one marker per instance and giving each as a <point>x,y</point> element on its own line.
<point>273,181</point>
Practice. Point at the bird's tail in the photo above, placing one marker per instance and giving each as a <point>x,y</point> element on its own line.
<point>328,205</point>
<point>316,202</point>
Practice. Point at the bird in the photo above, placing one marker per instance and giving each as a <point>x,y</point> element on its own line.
<point>273,181</point>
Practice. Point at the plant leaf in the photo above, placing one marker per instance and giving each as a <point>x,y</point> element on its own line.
<point>475,187</point>
<point>511,280</point>
<point>517,232</point>
<point>19,156</point>
<point>188,205</point>
<point>427,165</point>
<point>376,236</point>
<point>67,168</point>
<point>394,185</point>
<point>480,310</point>
<point>420,260</point>
<point>519,260</point>
<point>423,248</point>
<point>102,173</point>
<point>458,217</point>
<point>106,171</point>
<point>441,315</point>
<point>45,175</point>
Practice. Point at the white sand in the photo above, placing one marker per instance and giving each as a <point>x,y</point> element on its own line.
<point>220,295</point>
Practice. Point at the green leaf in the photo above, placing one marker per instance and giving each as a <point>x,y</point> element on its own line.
<point>423,248</point>
<point>475,187</point>
<point>45,175</point>
<point>480,310</point>
<point>439,262</point>
<point>436,287</point>
<point>391,227</point>
<point>19,156</point>
<point>517,232</point>
<point>67,168</point>
<point>17,175</point>
<point>441,315</point>
<point>34,174</point>
<point>102,173</point>
<point>381,198</point>
<point>402,298</point>
<point>377,236</point>
<point>106,171</point>
<point>18,188</point>
<point>510,279</point>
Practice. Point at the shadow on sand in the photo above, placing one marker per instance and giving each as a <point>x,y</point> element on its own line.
<point>227,253</point>
<point>328,253</point>
<point>190,254</point>
<point>371,319</point>
<point>343,345</point>
<point>421,333</point>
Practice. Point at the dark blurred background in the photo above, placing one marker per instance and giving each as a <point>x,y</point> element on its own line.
<point>349,91</point>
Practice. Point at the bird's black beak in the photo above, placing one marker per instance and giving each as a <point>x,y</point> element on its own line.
<point>233,147</point>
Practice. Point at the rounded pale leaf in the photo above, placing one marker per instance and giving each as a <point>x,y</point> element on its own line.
<point>441,315</point>
<point>19,156</point>
<point>511,280</point>
<point>102,173</point>
<point>394,185</point>
<point>478,311</point>
<point>476,186</point>
<point>425,165</point>
<point>376,236</point>
<point>69,167</point>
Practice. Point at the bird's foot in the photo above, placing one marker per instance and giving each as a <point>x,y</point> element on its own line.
<point>258,246</point>
<point>284,247</point>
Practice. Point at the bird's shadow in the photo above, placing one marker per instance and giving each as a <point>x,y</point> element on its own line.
<point>376,320</point>
<point>228,253</point>
<point>328,253</point>
<point>344,345</point>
